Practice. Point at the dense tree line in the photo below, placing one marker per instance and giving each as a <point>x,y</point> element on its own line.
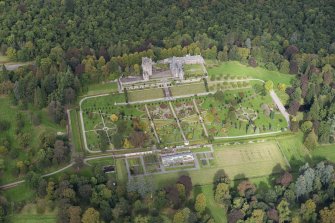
<point>114,28</point>
<point>308,198</point>
<point>99,198</point>
<point>313,93</point>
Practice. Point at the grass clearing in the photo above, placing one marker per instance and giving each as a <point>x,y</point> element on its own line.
<point>145,94</point>
<point>235,68</point>
<point>121,170</point>
<point>293,148</point>
<point>29,215</point>
<point>102,88</point>
<point>22,192</point>
<point>324,152</point>
<point>76,134</point>
<point>4,59</point>
<point>187,89</point>
<point>214,209</point>
<point>9,112</point>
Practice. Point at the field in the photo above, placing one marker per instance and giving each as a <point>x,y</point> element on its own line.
<point>193,70</point>
<point>235,68</point>
<point>101,88</point>
<point>146,94</point>
<point>9,113</point>
<point>76,131</point>
<point>30,215</point>
<point>188,89</point>
<point>4,59</point>
<point>238,161</point>
<point>324,152</point>
<point>215,210</point>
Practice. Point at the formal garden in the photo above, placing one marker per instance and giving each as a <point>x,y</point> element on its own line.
<point>241,112</point>
<point>108,126</point>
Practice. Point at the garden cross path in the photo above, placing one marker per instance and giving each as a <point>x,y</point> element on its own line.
<point>200,117</point>
<point>152,123</point>
<point>178,123</point>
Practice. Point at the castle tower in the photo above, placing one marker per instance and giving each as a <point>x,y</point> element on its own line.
<point>147,68</point>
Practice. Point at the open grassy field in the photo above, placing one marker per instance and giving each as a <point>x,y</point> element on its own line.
<point>121,170</point>
<point>293,148</point>
<point>30,215</point>
<point>9,112</point>
<point>19,193</point>
<point>214,209</point>
<point>235,68</point>
<point>102,88</point>
<point>4,59</point>
<point>145,94</point>
<point>76,131</point>
<point>238,161</point>
<point>193,70</point>
<point>187,89</point>
<point>324,152</point>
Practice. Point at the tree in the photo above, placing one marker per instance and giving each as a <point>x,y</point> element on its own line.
<point>306,127</point>
<point>294,107</point>
<point>181,216</point>
<point>311,140</point>
<point>114,118</point>
<point>283,211</point>
<point>245,186</point>
<point>91,216</point>
<point>11,53</point>
<point>56,111</point>
<point>285,179</point>
<point>268,85</point>
<point>328,214</point>
<point>308,210</point>
<point>187,182</point>
<point>284,67</point>
<point>281,87</point>
<point>200,203</point>
<point>222,193</point>
<point>74,214</point>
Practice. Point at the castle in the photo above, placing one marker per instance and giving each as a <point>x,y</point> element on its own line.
<point>152,70</point>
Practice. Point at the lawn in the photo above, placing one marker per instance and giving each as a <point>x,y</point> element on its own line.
<point>76,131</point>
<point>9,113</point>
<point>235,68</point>
<point>102,88</point>
<point>294,149</point>
<point>214,209</point>
<point>22,192</point>
<point>238,161</point>
<point>188,89</point>
<point>145,94</point>
<point>193,70</point>
<point>324,152</point>
<point>30,215</point>
<point>121,170</point>
<point>103,101</point>
<point>102,161</point>
<point>4,59</point>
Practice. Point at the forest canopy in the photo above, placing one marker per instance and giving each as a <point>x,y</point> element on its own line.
<point>33,27</point>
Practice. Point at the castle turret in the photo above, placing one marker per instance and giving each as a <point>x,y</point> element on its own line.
<point>147,68</point>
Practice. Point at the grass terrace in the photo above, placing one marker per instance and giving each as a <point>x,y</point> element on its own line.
<point>145,94</point>
<point>193,70</point>
<point>188,89</point>
<point>234,68</point>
